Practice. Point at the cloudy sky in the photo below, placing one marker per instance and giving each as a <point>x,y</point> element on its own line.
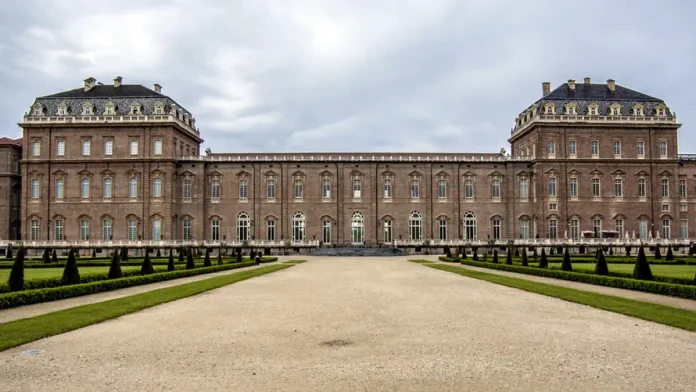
<point>354,75</point>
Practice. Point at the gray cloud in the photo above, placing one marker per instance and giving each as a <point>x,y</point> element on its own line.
<point>263,75</point>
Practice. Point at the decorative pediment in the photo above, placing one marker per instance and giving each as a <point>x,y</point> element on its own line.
<point>215,174</point>
<point>132,173</point>
<point>387,174</point>
<point>326,174</point>
<point>356,173</point>
<point>59,173</point>
<point>87,109</point>
<point>664,173</point>
<point>63,108</point>
<point>442,174</point>
<point>596,172</point>
<point>597,216</point>
<point>414,174</point>
<point>642,173</point>
<point>37,109</point>
<point>495,173</point>
<point>592,109</point>
<point>157,173</point>
<point>551,172</point>
<point>270,173</point>
<point>243,174</point>
<point>298,174</point>
<point>85,173</point>
<point>110,108</point>
<point>619,216</point>
<point>187,173</point>
<point>469,174</point>
<point>159,107</point>
<point>574,172</point>
<point>524,173</point>
<point>107,173</point>
<point>35,174</point>
<point>618,172</point>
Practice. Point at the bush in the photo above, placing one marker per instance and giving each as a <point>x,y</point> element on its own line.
<point>448,252</point>
<point>670,255</point>
<point>170,264</point>
<point>611,251</point>
<point>239,255</point>
<point>691,249</point>
<point>71,275</point>
<point>566,265</point>
<point>534,253</point>
<point>517,252</point>
<point>94,253</point>
<point>495,256</point>
<point>124,254</point>
<point>115,268</point>
<point>252,255</point>
<point>508,257</point>
<point>16,280</point>
<point>474,255</point>
<point>219,256</point>
<point>206,260</point>
<point>525,262</point>
<point>464,253</point>
<point>54,257</point>
<point>642,269</point>
<point>181,254</point>
<point>46,256</point>
<point>658,255</point>
<point>628,251</point>
<point>601,267</point>
<point>189,259</point>
<point>582,249</point>
<point>543,261</point>
<point>147,267</point>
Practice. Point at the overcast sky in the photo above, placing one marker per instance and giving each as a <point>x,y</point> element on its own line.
<point>356,75</point>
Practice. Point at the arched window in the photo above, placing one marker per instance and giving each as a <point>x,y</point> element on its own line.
<point>84,188</point>
<point>215,229</point>
<point>574,228</point>
<point>156,229</point>
<point>107,229</point>
<point>524,227</point>
<point>243,227</point>
<point>84,229</point>
<point>469,222</point>
<point>357,228</point>
<point>415,226</point>
<point>298,227</point>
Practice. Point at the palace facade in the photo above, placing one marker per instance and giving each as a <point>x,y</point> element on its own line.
<point>123,162</point>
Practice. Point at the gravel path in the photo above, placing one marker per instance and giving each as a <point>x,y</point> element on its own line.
<point>361,324</point>
<point>48,307</point>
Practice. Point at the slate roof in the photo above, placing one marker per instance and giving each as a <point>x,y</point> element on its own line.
<point>8,141</point>
<point>104,91</point>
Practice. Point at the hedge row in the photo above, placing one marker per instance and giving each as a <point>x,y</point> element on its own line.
<point>658,278</point>
<point>28,297</point>
<point>674,290</point>
<point>131,262</point>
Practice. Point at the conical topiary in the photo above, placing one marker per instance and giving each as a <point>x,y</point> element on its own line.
<point>628,251</point>
<point>534,254</point>
<point>16,280</point>
<point>170,264</point>
<point>543,261</point>
<point>124,254</point>
<point>47,256</point>
<point>181,254</point>
<point>525,262</point>
<point>611,251</point>
<point>54,257</point>
<point>71,275</point>
<point>691,249</point>
<point>551,252</point>
<point>115,268</point>
<point>642,269</point>
<point>517,252</point>
<point>159,254</point>
<point>219,257</point>
<point>239,255</point>
<point>474,252</point>
<point>94,253</point>
<point>147,267</point>
<point>601,267</point>
<point>658,255</point>
<point>508,256</point>
<point>670,255</point>
<point>464,253</point>
<point>495,256</point>
<point>566,265</point>
<point>189,260</point>
<point>448,252</point>
<point>206,259</point>
<point>8,254</point>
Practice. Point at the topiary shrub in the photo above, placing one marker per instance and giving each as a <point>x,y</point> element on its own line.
<point>8,254</point>
<point>464,253</point>
<point>551,252</point>
<point>582,249</point>
<point>642,269</point>
<point>566,265</point>
<point>170,264</point>
<point>670,255</point>
<point>115,268</point>
<point>159,254</point>
<point>495,256</point>
<point>239,255</point>
<point>54,257</point>
<point>258,260</point>
<point>46,256</point>
<point>448,252</point>
<point>124,254</point>
<point>691,249</point>
<point>206,259</point>
<point>16,280</point>
<point>147,267</point>
<point>219,257</point>
<point>474,255</point>
<point>534,253</point>
<point>189,260</point>
<point>252,254</point>
<point>658,255</point>
<point>525,262</point>
<point>543,261</point>
<point>601,267</point>
<point>517,252</point>
<point>611,251</point>
<point>71,275</point>
<point>181,254</point>
<point>628,251</point>
<point>94,253</point>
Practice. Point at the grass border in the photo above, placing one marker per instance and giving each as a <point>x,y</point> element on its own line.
<point>667,315</point>
<point>18,332</point>
<point>293,262</point>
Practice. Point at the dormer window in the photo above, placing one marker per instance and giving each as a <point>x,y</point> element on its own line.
<point>37,110</point>
<point>63,109</point>
<point>87,109</point>
<point>661,110</point>
<point>593,109</point>
<point>135,108</point>
<point>638,110</point>
<point>549,109</point>
<point>110,109</point>
<point>159,108</point>
<point>571,109</point>
<point>615,109</point>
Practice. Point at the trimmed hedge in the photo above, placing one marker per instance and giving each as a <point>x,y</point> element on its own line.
<point>28,297</point>
<point>674,290</point>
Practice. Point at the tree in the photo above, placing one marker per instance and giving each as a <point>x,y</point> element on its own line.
<point>670,255</point>
<point>189,260</point>
<point>543,262</point>
<point>206,260</point>
<point>54,257</point>
<point>508,256</point>
<point>159,254</point>
<point>495,256</point>
<point>601,267</point>
<point>525,262</point>
<point>71,275</point>
<point>219,257</point>
<point>566,265</point>
<point>9,252</point>
<point>642,268</point>
<point>658,255</point>
<point>147,267</point>
<point>170,264</point>
<point>16,280</point>
<point>47,256</point>
<point>551,252</point>
<point>474,250</point>
<point>115,268</point>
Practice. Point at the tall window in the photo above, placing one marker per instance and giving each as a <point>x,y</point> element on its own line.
<point>86,147</point>
<point>618,188</point>
<point>619,223</point>
<point>641,188</point>
<point>156,229</point>
<point>84,188</point>
<point>442,229</point>
<point>35,190</point>
<point>666,223</point>
<point>442,189</point>
<point>573,185</point>
<point>357,189</point>
<point>133,187</point>
<point>415,190</point>
<point>572,147</point>
<point>108,147</point>
<point>552,187</point>
<point>640,148</point>
<point>357,228</point>
<point>524,227</point>
<point>60,188</point>
<point>684,229</point>
<point>243,190</point>
<point>298,227</point>
<point>107,231</point>
<point>596,189</point>
<point>34,230</point>
<point>58,230</point>
<point>597,227</point>
<point>60,148</point>
<point>84,230</point>
<point>387,189</point>
<point>665,187</point>
<point>594,147</point>
<point>553,228</point>
<point>551,147</point>
<point>524,188</point>
<point>643,228</point>
<point>299,190</point>
<point>243,227</point>
<point>108,186</point>
<point>663,149</point>
<point>186,192</point>
<point>574,228</point>
<point>415,227</point>
<point>132,230</point>
<point>215,230</point>
<point>388,231</point>
<point>496,229</point>
<point>270,230</point>
<point>36,148</point>
<point>682,188</point>
<point>326,189</point>
<point>187,229</point>
<point>157,147</point>
<point>469,189</point>
<point>270,189</point>
<point>617,148</point>
<point>326,231</point>
<point>470,226</point>
<point>157,187</point>
<point>134,147</point>
<point>215,191</point>
<point>495,189</point>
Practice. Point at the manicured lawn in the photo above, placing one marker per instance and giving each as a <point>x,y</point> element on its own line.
<point>23,331</point>
<point>672,271</point>
<point>42,273</point>
<point>680,318</point>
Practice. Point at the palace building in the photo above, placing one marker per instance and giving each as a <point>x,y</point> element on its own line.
<point>123,162</point>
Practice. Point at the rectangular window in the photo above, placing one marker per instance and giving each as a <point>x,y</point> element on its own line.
<point>524,189</point>
<point>186,191</point>
<point>572,147</point>
<point>243,190</point>
<point>36,148</point>
<point>108,147</point>
<point>596,189</point>
<point>684,229</point>
<point>157,187</point>
<point>187,229</point>
<point>663,149</point>
<point>597,227</point>
<point>108,185</point>
<point>641,188</point>
<point>496,229</point>
<point>157,147</point>
<point>357,189</point>
<point>270,230</point>
<point>666,228</point>
<point>553,229</point>
<point>270,189</point>
<point>682,188</point>
<point>619,223</point>
<point>107,230</point>
<point>617,148</point>
<point>60,148</point>
<point>35,189</point>
<point>133,187</point>
<point>640,148</point>
<point>573,187</point>
<point>665,208</point>
<point>387,189</point>
<point>495,190</point>
<point>415,191</point>
<point>552,187</point>
<point>60,188</point>
<point>594,146</point>
<point>58,230</point>
<point>132,230</point>
<point>574,229</point>
<point>134,147</point>
<point>442,229</point>
<point>551,147</point>
<point>643,229</point>
<point>84,188</point>
<point>553,206</point>
<point>215,191</point>
<point>442,189</point>
<point>665,187</point>
<point>618,188</point>
<point>388,231</point>
<point>86,148</point>
<point>156,230</point>
<point>299,190</point>
<point>215,230</point>
<point>326,231</point>
<point>34,230</point>
<point>524,228</point>
<point>84,230</point>
<point>469,190</point>
<point>683,207</point>
<point>326,189</point>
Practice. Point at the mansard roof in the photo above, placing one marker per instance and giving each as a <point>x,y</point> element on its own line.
<point>597,92</point>
<point>108,91</point>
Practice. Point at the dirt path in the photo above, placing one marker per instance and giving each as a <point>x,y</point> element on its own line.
<point>361,324</point>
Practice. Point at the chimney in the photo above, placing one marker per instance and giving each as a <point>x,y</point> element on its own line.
<point>587,81</point>
<point>117,81</point>
<point>100,84</point>
<point>158,88</point>
<point>611,85</point>
<point>545,88</point>
<point>571,84</point>
<point>89,83</point>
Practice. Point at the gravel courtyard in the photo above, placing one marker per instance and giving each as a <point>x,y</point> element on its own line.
<point>360,324</point>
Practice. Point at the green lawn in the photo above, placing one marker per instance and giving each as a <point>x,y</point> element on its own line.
<point>42,273</point>
<point>671,271</point>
